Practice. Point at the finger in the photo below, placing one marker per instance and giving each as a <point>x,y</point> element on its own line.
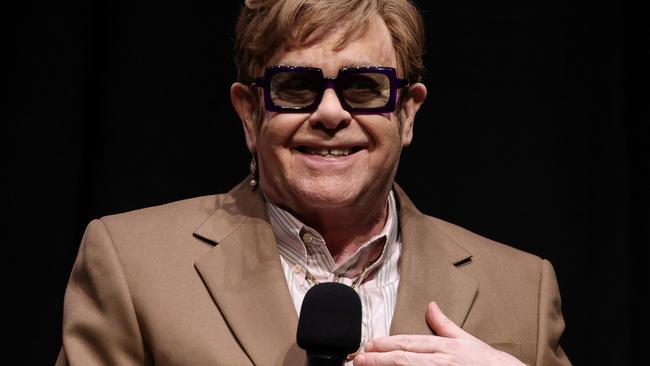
<point>410,343</point>
<point>442,325</point>
<point>394,358</point>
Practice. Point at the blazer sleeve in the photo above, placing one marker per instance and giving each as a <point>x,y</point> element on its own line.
<point>550,321</point>
<point>100,325</point>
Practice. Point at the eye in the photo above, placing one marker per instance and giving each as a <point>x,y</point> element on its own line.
<point>294,89</point>
<point>297,83</point>
<point>360,82</point>
<point>294,81</point>
<point>366,89</point>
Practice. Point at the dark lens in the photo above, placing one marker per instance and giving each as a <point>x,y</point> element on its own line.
<point>295,89</point>
<point>365,89</point>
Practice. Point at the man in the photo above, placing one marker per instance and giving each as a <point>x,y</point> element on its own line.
<point>328,95</point>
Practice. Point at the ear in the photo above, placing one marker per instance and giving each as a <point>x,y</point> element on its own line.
<point>417,93</point>
<point>244,102</point>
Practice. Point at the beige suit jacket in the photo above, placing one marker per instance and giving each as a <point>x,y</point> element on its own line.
<point>199,282</point>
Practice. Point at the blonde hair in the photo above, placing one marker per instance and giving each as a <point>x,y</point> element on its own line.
<point>265,25</point>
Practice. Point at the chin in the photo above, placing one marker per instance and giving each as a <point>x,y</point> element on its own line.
<point>327,196</point>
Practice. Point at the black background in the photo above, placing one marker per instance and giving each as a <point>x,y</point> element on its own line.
<point>534,134</point>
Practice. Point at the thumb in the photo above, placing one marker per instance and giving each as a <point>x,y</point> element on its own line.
<point>440,324</point>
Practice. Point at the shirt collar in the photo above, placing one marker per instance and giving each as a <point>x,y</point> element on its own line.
<point>293,236</point>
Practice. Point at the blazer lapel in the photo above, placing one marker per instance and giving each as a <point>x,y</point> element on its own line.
<point>244,276</point>
<point>428,273</point>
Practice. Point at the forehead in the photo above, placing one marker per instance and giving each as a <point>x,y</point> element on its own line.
<point>371,48</point>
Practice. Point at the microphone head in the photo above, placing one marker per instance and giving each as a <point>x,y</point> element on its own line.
<point>330,320</point>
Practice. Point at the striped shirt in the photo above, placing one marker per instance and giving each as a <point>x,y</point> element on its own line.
<point>307,261</point>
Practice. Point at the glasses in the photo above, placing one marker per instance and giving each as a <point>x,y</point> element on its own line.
<point>362,90</point>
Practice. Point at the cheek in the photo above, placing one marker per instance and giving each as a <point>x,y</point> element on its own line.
<point>271,134</point>
<point>384,131</point>
<point>280,127</point>
<point>274,138</point>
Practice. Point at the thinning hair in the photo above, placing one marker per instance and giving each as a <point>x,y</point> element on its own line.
<point>266,25</point>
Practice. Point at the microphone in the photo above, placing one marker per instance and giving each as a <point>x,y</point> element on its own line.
<point>329,327</point>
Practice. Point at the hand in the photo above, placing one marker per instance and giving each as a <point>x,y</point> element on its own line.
<point>451,346</point>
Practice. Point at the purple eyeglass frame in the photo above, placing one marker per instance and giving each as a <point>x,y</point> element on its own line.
<point>330,82</point>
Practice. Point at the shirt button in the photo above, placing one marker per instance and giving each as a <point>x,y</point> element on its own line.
<point>297,269</point>
<point>307,238</point>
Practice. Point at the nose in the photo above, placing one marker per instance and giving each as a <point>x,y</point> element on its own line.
<point>330,113</point>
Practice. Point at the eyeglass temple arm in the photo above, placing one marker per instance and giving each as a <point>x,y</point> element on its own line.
<point>258,81</point>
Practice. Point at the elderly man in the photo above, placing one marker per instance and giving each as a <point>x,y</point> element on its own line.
<point>328,92</point>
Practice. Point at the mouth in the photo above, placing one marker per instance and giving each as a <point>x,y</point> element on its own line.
<point>329,152</point>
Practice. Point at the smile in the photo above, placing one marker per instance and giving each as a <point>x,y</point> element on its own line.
<point>334,152</point>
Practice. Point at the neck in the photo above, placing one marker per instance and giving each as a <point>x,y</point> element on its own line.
<point>345,230</point>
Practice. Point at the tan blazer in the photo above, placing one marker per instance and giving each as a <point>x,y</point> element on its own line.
<point>199,282</point>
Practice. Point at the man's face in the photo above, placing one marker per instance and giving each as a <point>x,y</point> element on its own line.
<point>330,158</point>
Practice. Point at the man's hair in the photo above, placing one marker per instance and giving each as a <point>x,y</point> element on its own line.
<point>266,25</point>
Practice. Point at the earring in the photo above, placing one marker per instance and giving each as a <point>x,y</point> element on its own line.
<point>253,175</point>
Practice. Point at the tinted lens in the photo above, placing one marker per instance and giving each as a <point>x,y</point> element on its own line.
<point>295,89</point>
<point>365,89</point>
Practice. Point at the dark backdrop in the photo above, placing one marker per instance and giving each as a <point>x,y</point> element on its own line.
<point>534,134</point>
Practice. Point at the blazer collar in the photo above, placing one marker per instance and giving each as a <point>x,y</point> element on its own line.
<point>244,276</point>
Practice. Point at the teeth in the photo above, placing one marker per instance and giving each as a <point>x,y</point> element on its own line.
<point>329,152</point>
<point>344,152</point>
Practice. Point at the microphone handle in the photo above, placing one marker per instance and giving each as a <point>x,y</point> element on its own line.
<point>325,360</point>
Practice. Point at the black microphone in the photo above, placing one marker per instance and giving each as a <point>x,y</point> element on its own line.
<point>329,328</point>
